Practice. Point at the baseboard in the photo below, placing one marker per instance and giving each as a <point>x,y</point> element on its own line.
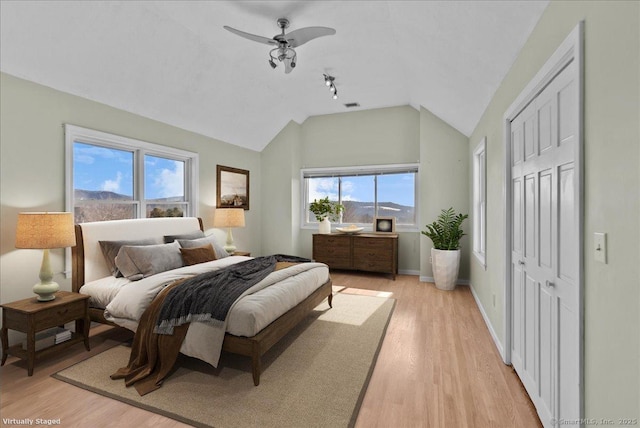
<point>458,282</point>
<point>492,332</point>
<point>408,272</point>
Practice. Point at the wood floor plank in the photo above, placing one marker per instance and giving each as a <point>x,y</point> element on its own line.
<point>438,367</point>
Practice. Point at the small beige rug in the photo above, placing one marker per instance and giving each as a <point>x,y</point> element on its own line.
<point>315,377</point>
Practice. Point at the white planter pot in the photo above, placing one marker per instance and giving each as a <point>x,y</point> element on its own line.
<point>445,268</point>
<point>324,227</point>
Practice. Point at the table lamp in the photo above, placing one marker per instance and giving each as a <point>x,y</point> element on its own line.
<point>229,217</point>
<point>44,231</point>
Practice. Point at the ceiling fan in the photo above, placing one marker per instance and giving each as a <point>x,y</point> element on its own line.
<point>285,43</point>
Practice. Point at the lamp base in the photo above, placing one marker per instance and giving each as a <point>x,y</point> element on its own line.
<point>230,247</point>
<point>46,291</point>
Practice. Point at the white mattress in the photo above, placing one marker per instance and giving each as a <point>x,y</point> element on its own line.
<point>247,317</point>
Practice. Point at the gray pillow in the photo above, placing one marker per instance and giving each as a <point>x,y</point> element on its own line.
<point>137,262</point>
<point>191,243</point>
<point>193,235</point>
<point>110,250</point>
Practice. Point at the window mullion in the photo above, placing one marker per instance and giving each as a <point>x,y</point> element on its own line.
<point>375,194</point>
<point>138,175</point>
<point>340,197</point>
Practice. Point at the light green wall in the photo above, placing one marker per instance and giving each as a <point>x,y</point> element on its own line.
<point>368,137</point>
<point>444,175</point>
<point>281,192</point>
<point>611,197</point>
<point>32,173</point>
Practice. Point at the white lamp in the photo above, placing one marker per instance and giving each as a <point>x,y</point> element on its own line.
<point>229,217</point>
<point>45,231</point>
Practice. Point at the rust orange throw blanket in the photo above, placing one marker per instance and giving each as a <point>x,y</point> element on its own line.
<point>154,355</point>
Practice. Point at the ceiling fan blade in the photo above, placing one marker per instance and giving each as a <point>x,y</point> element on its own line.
<point>253,37</point>
<point>303,35</point>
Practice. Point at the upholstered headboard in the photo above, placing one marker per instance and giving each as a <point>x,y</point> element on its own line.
<point>88,263</point>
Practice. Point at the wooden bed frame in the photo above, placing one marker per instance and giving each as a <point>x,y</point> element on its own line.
<point>254,346</point>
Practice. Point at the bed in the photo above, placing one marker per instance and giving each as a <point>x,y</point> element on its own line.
<point>90,270</point>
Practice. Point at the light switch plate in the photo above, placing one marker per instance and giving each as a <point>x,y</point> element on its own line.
<point>600,247</point>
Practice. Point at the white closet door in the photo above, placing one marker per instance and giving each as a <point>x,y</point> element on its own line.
<point>544,249</point>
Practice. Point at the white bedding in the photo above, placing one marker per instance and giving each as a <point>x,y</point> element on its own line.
<point>125,301</point>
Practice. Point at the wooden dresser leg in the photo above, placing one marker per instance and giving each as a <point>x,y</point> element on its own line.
<point>330,299</point>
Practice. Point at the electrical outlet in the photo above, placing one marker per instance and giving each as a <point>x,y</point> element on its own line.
<point>600,247</point>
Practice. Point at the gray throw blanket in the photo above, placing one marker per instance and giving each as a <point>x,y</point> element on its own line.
<point>208,297</point>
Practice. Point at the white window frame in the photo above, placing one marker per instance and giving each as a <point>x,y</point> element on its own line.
<point>358,170</point>
<point>480,202</point>
<point>140,148</point>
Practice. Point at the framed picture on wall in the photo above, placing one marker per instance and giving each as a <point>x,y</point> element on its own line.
<point>232,187</point>
<point>384,224</point>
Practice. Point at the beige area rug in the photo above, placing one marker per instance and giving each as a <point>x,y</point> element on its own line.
<point>315,377</point>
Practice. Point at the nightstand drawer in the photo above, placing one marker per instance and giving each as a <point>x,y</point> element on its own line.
<point>59,315</point>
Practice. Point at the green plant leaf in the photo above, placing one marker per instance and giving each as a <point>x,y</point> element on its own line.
<point>445,232</point>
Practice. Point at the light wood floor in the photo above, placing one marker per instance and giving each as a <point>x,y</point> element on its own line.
<point>437,367</point>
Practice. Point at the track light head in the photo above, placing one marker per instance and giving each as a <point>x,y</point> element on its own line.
<point>328,81</point>
<point>272,64</point>
<point>293,64</point>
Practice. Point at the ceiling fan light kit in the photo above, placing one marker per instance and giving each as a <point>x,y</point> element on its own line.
<point>285,43</point>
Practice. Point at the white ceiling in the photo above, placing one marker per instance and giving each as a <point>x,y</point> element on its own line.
<point>173,62</point>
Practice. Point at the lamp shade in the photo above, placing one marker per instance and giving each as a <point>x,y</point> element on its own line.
<point>45,230</point>
<point>228,217</point>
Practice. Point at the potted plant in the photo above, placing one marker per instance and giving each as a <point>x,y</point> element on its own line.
<point>324,209</point>
<point>446,233</point>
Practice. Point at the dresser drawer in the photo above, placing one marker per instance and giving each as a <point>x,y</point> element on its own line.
<point>374,243</point>
<point>335,262</point>
<point>320,250</point>
<point>371,265</point>
<point>372,253</point>
<point>332,240</point>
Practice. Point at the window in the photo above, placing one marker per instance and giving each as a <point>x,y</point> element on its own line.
<point>365,192</point>
<point>112,178</point>
<point>480,201</point>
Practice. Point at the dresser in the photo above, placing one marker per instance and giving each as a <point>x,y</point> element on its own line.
<point>370,252</point>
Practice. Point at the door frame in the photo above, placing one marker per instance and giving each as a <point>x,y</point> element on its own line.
<point>571,49</point>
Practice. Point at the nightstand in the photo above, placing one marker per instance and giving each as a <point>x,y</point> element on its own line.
<point>241,253</point>
<point>30,316</point>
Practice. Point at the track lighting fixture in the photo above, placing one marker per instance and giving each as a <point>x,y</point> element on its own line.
<point>328,81</point>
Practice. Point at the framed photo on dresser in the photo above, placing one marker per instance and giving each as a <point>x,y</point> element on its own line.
<point>384,224</point>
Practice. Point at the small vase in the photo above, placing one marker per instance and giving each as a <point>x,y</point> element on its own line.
<point>324,227</point>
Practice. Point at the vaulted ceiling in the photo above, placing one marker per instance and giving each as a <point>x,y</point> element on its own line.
<point>172,61</point>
